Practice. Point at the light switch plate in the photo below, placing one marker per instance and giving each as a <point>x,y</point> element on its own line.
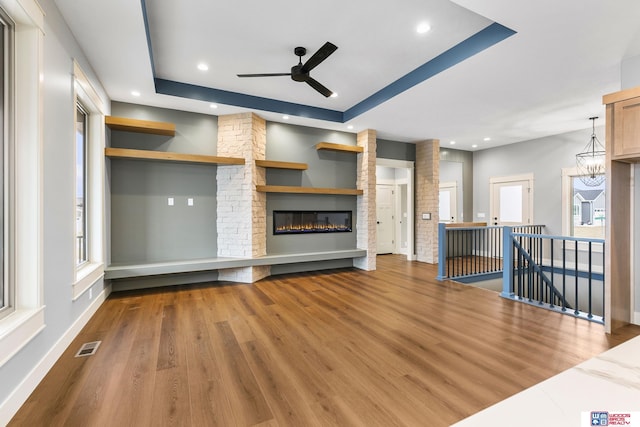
<point>190,201</point>
<point>170,201</point>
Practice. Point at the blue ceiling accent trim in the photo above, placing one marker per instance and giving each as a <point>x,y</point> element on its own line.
<point>478,42</point>
<point>146,31</point>
<point>202,93</point>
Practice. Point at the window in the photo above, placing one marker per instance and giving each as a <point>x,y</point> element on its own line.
<point>584,207</point>
<point>5,291</point>
<point>88,122</point>
<point>588,209</point>
<point>22,315</point>
<point>81,186</point>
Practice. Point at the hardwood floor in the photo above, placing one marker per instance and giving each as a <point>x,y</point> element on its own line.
<point>391,347</point>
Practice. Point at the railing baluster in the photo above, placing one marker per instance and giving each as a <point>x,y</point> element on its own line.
<point>575,268</point>
<point>553,275</point>
<point>590,313</point>
<point>564,274</point>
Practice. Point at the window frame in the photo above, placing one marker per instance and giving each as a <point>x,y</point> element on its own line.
<point>89,272</point>
<point>568,174</point>
<point>82,248</point>
<point>7,301</point>
<point>25,177</point>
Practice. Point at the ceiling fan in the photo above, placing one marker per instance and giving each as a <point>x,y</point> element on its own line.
<point>300,72</point>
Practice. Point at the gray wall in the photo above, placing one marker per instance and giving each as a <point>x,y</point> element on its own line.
<point>144,228</point>
<point>449,157</point>
<point>631,72</point>
<point>545,158</point>
<point>61,312</point>
<point>395,150</point>
<point>326,169</point>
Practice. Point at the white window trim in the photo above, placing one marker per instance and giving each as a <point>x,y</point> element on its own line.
<point>88,273</point>
<point>27,319</point>
<point>567,209</point>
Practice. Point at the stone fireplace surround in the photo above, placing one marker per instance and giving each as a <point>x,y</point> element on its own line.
<point>241,209</point>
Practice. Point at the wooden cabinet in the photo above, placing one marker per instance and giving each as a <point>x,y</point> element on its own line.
<point>623,118</point>
<point>623,149</point>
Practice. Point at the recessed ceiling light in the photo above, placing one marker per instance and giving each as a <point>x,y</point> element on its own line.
<point>452,142</point>
<point>350,127</point>
<point>334,95</point>
<point>285,117</point>
<point>423,27</point>
<point>203,67</point>
<point>474,146</point>
<point>135,93</point>
<point>487,139</point>
<point>213,106</point>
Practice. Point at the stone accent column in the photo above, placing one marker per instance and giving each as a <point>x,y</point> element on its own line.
<point>366,203</point>
<point>427,199</point>
<point>241,210</point>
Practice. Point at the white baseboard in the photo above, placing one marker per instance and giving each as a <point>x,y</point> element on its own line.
<point>21,393</point>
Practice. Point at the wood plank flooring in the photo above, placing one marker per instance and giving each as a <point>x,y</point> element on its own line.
<point>392,347</point>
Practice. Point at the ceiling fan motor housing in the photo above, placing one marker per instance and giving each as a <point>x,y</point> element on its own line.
<point>297,74</point>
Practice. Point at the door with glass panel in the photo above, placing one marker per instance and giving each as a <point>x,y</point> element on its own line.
<point>511,200</point>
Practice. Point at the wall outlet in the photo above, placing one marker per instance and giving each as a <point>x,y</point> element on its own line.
<point>190,201</point>
<point>481,215</point>
<point>426,215</point>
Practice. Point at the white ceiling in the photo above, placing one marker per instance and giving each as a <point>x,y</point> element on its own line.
<point>546,79</point>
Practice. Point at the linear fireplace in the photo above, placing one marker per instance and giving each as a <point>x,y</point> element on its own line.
<point>299,222</point>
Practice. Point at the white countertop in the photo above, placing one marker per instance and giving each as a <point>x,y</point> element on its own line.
<point>609,382</point>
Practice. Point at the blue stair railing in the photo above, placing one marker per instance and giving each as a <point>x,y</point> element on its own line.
<point>564,274</point>
<point>473,253</point>
<point>560,273</point>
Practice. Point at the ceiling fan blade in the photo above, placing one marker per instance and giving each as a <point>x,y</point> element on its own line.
<point>323,53</point>
<point>264,75</point>
<point>319,87</point>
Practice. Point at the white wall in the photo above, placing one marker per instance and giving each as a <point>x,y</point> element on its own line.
<point>64,317</point>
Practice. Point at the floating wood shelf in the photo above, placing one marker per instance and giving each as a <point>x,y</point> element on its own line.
<point>170,157</point>
<point>140,126</point>
<point>339,147</point>
<point>307,190</point>
<point>274,164</point>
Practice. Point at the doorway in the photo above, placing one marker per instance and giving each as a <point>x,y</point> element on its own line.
<point>511,200</point>
<point>385,218</point>
<point>395,181</point>
<point>448,201</point>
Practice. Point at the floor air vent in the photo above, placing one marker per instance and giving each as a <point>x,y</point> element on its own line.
<point>88,349</point>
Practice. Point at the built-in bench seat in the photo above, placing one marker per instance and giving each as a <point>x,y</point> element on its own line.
<point>125,271</point>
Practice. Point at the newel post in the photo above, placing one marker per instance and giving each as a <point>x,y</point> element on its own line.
<point>507,262</point>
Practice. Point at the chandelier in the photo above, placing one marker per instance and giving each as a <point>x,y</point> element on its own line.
<point>591,161</point>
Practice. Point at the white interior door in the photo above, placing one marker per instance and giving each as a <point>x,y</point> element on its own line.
<point>448,202</point>
<point>511,200</point>
<point>384,211</point>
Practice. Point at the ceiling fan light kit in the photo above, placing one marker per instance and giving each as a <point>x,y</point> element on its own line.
<point>300,71</point>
